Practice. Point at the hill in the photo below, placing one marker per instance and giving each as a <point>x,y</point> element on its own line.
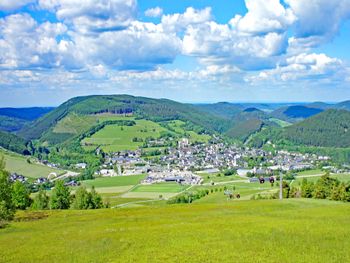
<point>295,113</point>
<point>222,109</point>
<point>345,105</point>
<point>328,129</point>
<point>28,114</point>
<point>11,124</point>
<point>13,143</point>
<point>156,110</point>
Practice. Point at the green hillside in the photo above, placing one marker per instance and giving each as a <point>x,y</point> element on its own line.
<point>11,124</point>
<point>328,129</point>
<point>222,109</point>
<point>139,107</point>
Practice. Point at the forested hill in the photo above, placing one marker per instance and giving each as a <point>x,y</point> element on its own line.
<point>28,114</point>
<point>139,107</point>
<point>328,129</point>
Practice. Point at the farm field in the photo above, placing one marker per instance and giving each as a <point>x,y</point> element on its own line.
<point>207,178</point>
<point>114,181</point>
<point>18,164</point>
<point>77,124</point>
<point>161,188</point>
<point>178,127</point>
<point>312,172</point>
<point>246,231</point>
<point>340,177</point>
<point>114,138</point>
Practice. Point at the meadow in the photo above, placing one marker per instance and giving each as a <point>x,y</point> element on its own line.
<point>114,181</point>
<point>18,164</point>
<point>114,138</point>
<point>295,230</point>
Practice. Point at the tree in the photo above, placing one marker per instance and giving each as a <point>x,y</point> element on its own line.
<point>20,196</point>
<point>95,199</point>
<point>41,200</point>
<point>60,198</point>
<point>82,199</point>
<point>7,209</point>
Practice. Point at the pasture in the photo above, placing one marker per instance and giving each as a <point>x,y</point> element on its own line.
<point>295,230</point>
<point>18,164</point>
<point>161,188</point>
<point>117,181</point>
<point>178,127</point>
<point>114,138</point>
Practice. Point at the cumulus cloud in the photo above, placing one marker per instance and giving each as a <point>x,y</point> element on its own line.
<point>93,16</point>
<point>26,44</point>
<point>178,22</point>
<point>220,43</point>
<point>154,12</point>
<point>264,16</point>
<point>141,46</point>
<point>302,67</point>
<point>318,21</point>
<point>10,5</point>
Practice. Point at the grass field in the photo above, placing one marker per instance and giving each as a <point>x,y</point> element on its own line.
<point>114,181</point>
<point>18,164</point>
<point>294,231</point>
<point>280,123</point>
<point>161,188</point>
<point>312,172</point>
<point>207,178</point>
<point>77,124</point>
<point>116,138</point>
<point>340,177</point>
<point>178,127</point>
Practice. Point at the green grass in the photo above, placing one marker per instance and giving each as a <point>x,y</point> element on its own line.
<point>280,123</point>
<point>249,231</point>
<point>207,178</point>
<point>114,181</point>
<point>340,177</point>
<point>116,138</point>
<point>161,188</point>
<point>312,172</point>
<point>178,127</point>
<point>77,124</point>
<point>18,164</point>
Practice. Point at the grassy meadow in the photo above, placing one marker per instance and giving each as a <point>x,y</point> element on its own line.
<point>18,164</point>
<point>114,138</point>
<point>295,230</point>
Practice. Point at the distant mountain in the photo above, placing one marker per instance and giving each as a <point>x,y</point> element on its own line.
<point>222,109</point>
<point>345,105</point>
<point>252,109</point>
<point>320,105</point>
<point>10,124</point>
<point>28,114</point>
<point>295,113</point>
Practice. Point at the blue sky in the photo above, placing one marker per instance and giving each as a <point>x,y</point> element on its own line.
<point>188,50</point>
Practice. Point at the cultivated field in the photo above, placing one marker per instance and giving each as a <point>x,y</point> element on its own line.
<point>248,231</point>
<point>114,138</point>
<point>18,164</point>
<point>114,181</point>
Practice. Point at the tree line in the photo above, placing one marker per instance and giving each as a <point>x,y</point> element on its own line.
<point>16,196</point>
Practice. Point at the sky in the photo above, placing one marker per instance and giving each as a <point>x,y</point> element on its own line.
<point>185,50</point>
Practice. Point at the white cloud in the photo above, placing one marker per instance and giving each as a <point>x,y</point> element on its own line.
<point>26,44</point>
<point>141,46</point>
<point>318,21</point>
<point>10,5</point>
<point>304,67</point>
<point>179,22</point>
<point>90,16</point>
<point>263,16</point>
<point>154,12</point>
<point>218,43</point>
